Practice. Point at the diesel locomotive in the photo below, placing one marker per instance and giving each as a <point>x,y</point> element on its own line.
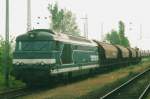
<point>42,54</point>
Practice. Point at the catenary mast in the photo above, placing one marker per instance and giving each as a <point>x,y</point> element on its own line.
<point>6,51</point>
<point>28,15</point>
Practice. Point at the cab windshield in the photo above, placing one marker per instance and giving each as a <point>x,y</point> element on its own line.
<point>34,45</point>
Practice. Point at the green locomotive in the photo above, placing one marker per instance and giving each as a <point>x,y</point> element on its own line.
<point>42,54</point>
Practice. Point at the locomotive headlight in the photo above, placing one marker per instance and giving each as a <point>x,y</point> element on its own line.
<point>42,63</point>
<point>21,63</point>
<point>17,63</point>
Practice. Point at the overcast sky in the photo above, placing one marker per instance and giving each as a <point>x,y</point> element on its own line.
<point>108,12</point>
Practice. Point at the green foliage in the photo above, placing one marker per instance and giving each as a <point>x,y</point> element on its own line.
<point>63,20</point>
<point>118,37</point>
<point>123,40</point>
<point>121,29</point>
<point>13,83</point>
<point>113,37</point>
<point>1,52</point>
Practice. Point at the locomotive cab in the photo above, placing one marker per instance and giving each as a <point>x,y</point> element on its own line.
<point>34,46</point>
<point>34,54</point>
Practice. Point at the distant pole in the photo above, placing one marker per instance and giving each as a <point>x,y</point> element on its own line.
<point>85,35</point>
<point>140,31</point>
<point>6,51</point>
<point>50,20</point>
<point>28,15</point>
<point>85,24</point>
<point>102,36</point>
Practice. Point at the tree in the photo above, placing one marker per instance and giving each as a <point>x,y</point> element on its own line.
<point>113,38</point>
<point>63,20</point>
<point>121,29</point>
<point>2,48</point>
<point>123,40</point>
<point>1,52</point>
<point>118,37</point>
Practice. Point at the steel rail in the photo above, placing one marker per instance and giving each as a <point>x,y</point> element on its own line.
<point>145,92</point>
<point>124,84</point>
<point>13,93</point>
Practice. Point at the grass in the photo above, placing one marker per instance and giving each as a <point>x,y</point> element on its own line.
<point>100,91</point>
<point>132,70</point>
<point>91,85</point>
<point>96,94</point>
<point>148,96</point>
<point>12,83</point>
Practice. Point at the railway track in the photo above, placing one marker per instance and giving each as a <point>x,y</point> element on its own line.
<point>135,88</point>
<point>145,92</point>
<point>14,93</point>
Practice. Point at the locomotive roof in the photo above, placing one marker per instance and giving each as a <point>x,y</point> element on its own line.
<point>45,34</point>
<point>41,34</point>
